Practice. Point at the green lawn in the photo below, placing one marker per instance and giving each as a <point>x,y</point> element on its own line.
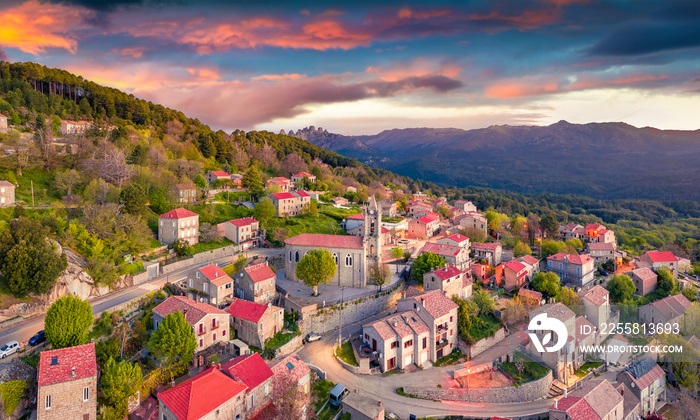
<point>132,268</point>
<point>531,369</point>
<point>42,187</point>
<point>583,370</point>
<point>305,224</point>
<point>346,354</point>
<point>337,213</point>
<point>320,392</point>
<point>450,359</point>
<point>280,339</point>
<point>486,328</point>
<point>208,246</point>
<point>226,212</point>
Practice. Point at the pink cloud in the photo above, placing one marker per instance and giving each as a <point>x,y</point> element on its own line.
<point>419,67</point>
<point>514,89</point>
<point>287,76</point>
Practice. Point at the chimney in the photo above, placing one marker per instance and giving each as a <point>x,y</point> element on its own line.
<point>72,372</point>
<point>555,404</point>
<point>566,392</point>
<point>423,302</point>
<point>380,403</point>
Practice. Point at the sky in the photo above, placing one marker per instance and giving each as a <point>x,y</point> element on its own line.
<point>363,67</point>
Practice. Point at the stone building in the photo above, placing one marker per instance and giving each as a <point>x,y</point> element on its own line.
<point>475,221</point>
<point>389,207</point>
<point>453,255</point>
<point>465,206</point>
<point>256,283</point>
<point>578,270</point>
<point>424,227</point>
<point>252,371</point>
<point>7,193</point>
<point>178,224</point>
<point>489,251</point>
<point>286,204</point>
<point>596,306</point>
<point>360,407</point>
<point>210,285</point>
<point>299,178</point>
<point>255,323</point>
<point>210,325</point>
<point>601,251</point>
<point>74,128</point>
<point>594,400</point>
<point>244,231</point>
<point>209,395</point>
<point>213,176</point>
<point>67,383</point>
<point>456,239</point>
<point>292,371</point>
<point>644,280</point>
<point>354,255</point>
<point>669,310</point>
<point>647,381</point>
<point>185,193</point>
<point>450,280</point>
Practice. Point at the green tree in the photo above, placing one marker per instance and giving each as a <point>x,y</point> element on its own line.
<point>621,288</point>
<point>569,298</point>
<point>182,247</point>
<point>138,156</point>
<point>200,182</point>
<point>311,209</point>
<point>683,364</point>
<point>265,211</point>
<point>240,263</point>
<point>66,180</point>
<point>484,302</point>
<point>547,283</point>
<point>316,267</point>
<point>397,253</point>
<point>12,393</point>
<point>549,225</point>
<point>119,381</point>
<point>27,259</point>
<point>380,274</point>
<point>521,249</point>
<point>133,199</point>
<point>173,340</point>
<point>68,322</point>
<point>253,182</point>
<point>666,284</point>
<point>574,243</point>
<point>424,263</point>
<point>690,292</point>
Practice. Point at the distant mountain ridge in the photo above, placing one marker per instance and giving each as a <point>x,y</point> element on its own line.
<point>601,160</point>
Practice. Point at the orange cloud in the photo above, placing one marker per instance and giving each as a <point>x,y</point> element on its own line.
<point>516,89</point>
<point>417,68</point>
<point>287,76</point>
<point>33,27</point>
<point>135,52</point>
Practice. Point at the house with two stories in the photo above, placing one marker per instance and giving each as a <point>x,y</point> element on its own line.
<point>466,206</point>
<point>515,274</point>
<point>660,259</point>
<point>255,323</point>
<point>416,207</point>
<point>256,283</point>
<point>450,280</point>
<point>252,371</point>
<point>571,231</point>
<point>209,284</point>
<point>578,270</point>
<point>596,399</point>
<point>645,280</point>
<point>298,179</point>
<point>284,184</point>
<point>595,232</point>
<point>424,227</point>
<point>489,251</point>
<point>3,123</point>
<point>532,264</point>
<point>185,193</point>
<point>210,325</point>
<point>178,224</point>
<point>475,221</point>
<point>245,232</point>
<point>647,381</point>
<point>596,306</point>
<point>456,239</point>
<point>453,255</point>
<point>67,383</point>
<point>669,310</point>
<point>601,251</point>
<point>290,203</point>
<point>213,176</point>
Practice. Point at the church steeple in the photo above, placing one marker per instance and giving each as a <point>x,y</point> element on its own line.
<point>373,230</point>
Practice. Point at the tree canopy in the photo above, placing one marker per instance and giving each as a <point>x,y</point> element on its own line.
<point>173,340</point>
<point>119,381</point>
<point>424,263</point>
<point>68,322</point>
<point>621,288</point>
<point>547,283</point>
<point>316,267</point>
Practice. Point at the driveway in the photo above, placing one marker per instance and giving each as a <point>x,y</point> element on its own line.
<point>383,388</point>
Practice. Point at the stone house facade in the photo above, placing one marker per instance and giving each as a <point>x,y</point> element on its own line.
<point>595,399</point>
<point>255,323</point>
<point>185,193</point>
<point>389,207</point>
<point>210,285</point>
<point>601,251</point>
<point>645,280</point>
<point>424,227</point>
<point>515,274</point>
<point>456,239</point>
<point>490,251</point>
<point>7,193</point>
<point>178,224</point>
<point>252,371</point>
<point>256,283</point>
<point>575,269</point>
<point>661,259</point>
<point>596,306</point>
<point>210,325</point>
<point>465,206</point>
<point>475,221</point>
<point>297,179</point>
<point>439,313</point>
<point>213,176</point>
<point>244,230</point>
<point>453,255</point>
<point>290,203</point>
<point>67,383</point>
<point>647,381</point>
<point>450,280</point>
<point>669,310</point>
<point>398,340</point>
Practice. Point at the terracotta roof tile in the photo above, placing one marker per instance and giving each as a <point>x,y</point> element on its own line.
<point>247,310</point>
<point>245,221</point>
<point>442,249</point>
<point>216,275</point>
<point>428,219</point>
<point>326,241</point>
<point>672,306</point>
<point>178,214</point>
<point>447,272</point>
<point>250,369</point>
<point>488,246</point>
<point>82,358</point>
<point>436,303</point>
<point>289,370</point>
<point>601,246</point>
<point>193,311</point>
<point>573,259</point>
<point>515,266</point>
<point>554,310</point>
<point>661,257</point>
<point>597,295</point>
<point>283,195</point>
<point>260,272</point>
<point>303,175</point>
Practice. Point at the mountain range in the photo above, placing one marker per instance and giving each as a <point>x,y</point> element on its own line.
<point>600,160</point>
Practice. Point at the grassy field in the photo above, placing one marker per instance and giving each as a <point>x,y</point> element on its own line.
<point>280,339</point>
<point>489,327</point>
<point>208,246</point>
<point>132,268</point>
<point>42,187</point>
<point>531,369</point>
<point>583,370</point>
<point>346,354</point>
<point>320,392</point>
<point>450,359</point>
<point>305,224</point>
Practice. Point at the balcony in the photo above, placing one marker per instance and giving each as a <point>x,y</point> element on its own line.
<point>441,344</point>
<point>441,329</point>
<point>215,327</point>
<point>201,332</point>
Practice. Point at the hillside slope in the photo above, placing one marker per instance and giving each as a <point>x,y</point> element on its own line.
<point>601,160</point>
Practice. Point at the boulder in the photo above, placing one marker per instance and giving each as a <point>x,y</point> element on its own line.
<point>73,280</point>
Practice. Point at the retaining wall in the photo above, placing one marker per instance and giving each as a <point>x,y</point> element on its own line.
<point>481,345</point>
<point>530,391</point>
<point>293,344</point>
<point>326,319</point>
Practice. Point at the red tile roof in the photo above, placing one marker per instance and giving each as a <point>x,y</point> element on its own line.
<point>250,311</point>
<point>82,358</point>
<point>358,216</point>
<point>288,371</point>
<point>447,272</point>
<point>597,295</point>
<point>283,195</point>
<point>216,275</point>
<point>489,246</point>
<point>303,174</point>
<point>283,179</point>
<point>260,272</point>
<point>277,182</point>
<point>515,266</point>
<point>529,259</point>
<point>442,249</point>
<point>250,369</point>
<point>436,303</point>
<point>577,408</point>
<point>644,273</point>
<point>647,378</point>
<point>302,194</point>
<point>530,294</point>
<point>326,241</point>
<point>178,214</point>
<point>601,246</point>
<point>457,237</point>
<point>4,183</point>
<point>201,394</point>
<point>385,230</point>
<point>3,115</point>
<point>220,174</point>
<point>661,256</point>
<point>428,219</point>
<point>383,329</point>
<point>594,226</point>
<point>573,259</point>
<point>244,221</point>
<point>671,306</point>
<point>193,311</point>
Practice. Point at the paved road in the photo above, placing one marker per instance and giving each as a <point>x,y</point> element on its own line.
<point>23,331</point>
<point>383,388</point>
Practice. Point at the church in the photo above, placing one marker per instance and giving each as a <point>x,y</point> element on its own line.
<point>353,255</point>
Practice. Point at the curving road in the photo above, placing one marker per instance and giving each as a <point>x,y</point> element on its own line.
<point>383,388</point>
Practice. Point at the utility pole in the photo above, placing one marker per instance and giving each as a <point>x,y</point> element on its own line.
<point>32,184</point>
<point>340,318</point>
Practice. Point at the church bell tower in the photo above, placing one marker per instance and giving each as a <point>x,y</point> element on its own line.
<point>373,231</point>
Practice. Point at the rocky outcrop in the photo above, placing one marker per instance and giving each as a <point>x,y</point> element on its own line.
<point>72,281</point>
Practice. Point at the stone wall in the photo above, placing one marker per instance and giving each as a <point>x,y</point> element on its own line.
<point>327,318</point>
<point>481,345</point>
<point>200,259</point>
<point>530,391</point>
<point>292,346</point>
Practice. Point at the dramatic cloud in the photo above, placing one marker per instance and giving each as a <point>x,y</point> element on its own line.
<point>640,38</point>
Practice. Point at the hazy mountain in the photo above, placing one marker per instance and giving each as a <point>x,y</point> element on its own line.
<point>602,160</point>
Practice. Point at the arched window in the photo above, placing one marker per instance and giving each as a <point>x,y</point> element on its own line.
<point>335,258</point>
<point>296,257</point>
<point>371,249</point>
<point>348,260</point>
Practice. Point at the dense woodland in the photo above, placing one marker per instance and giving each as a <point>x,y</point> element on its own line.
<point>101,199</point>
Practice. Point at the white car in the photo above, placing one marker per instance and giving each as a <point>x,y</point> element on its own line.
<point>312,337</point>
<point>8,349</point>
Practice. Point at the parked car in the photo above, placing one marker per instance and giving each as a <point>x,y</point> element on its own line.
<point>8,349</point>
<point>38,338</point>
<point>311,337</point>
<point>403,241</point>
<point>336,397</point>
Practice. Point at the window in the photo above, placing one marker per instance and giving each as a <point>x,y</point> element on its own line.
<point>201,343</point>
<point>197,274</point>
<point>450,319</point>
<point>335,258</point>
<point>267,389</point>
<point>86,394</point>
<point>223,333</point>
<point>206,286</point>
<point>191,280</point>
<point>348,260</point>
<point>450,332</point>
<point>48,402</point>
<point>425,342</point>
<point>395,344</point>
<point>408,344</point>
<point>213,338</point>
<point>296,256</point>
<point>366,336</point>
<point>290,256</point>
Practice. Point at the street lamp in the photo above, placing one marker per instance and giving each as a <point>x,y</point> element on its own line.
<point>469,369</point>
